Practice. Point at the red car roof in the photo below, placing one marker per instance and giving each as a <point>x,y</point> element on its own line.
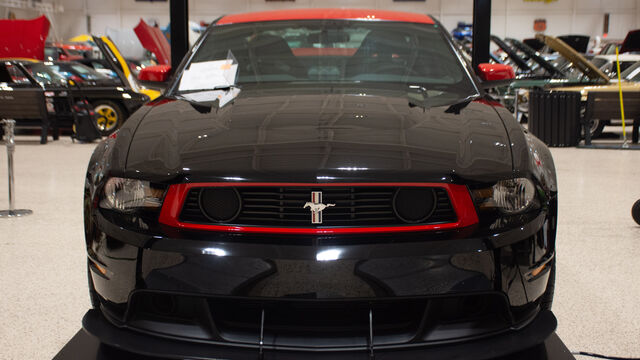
<point>320,14</point>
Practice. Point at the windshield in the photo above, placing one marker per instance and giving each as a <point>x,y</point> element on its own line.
<point>632,73</point>
<point>78,70</point>
<point>334,52</point>
<point>44,75</point>
<point>75,52</point>
<point>599,62</point>
<point>51,53</point>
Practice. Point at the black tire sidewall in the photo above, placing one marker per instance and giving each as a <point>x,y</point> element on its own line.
<point>598,130</point>
<point>635,212</point>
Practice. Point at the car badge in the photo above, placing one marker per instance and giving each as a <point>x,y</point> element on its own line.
<point>316,206</point>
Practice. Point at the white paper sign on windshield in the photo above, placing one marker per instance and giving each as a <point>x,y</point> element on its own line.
<point>208,75</point>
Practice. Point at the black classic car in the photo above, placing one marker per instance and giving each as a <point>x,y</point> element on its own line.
<point>37,97</point>
<point>112,102</point>
<point>315,184</point>
<point>112,112</point>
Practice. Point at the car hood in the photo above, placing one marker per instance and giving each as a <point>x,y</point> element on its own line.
<point>320,136</point>
<point>579,43</point>
<point>24,38</point>
<point>631,42</point>
<point>154,40</point>
<point>572,55</point>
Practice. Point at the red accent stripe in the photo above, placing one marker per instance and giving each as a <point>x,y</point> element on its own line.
<point>321,14</point>
<point>459,195</point>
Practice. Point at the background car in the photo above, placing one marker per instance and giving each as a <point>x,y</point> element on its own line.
<point>52,103</point>
<point>66,51</point>
<point>568,68</point>
<point>112,102</point>
<point>607,63</point>
<point>113,64</point>
<point>112,111</point>
<point>609,47</point>
<point>630,83</point>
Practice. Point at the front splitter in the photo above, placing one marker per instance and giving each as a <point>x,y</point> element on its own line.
<point>130,345</point>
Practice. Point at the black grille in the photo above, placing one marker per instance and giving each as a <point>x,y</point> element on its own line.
<point>283,207</point>
<point>317,323</point>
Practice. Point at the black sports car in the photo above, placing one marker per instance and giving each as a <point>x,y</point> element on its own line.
<point>317,184</point>
<point>112,102</point>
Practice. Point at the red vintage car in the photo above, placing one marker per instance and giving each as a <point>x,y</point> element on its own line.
<point>66,51</point>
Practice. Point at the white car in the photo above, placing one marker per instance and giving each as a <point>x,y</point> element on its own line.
<point>607,63</point>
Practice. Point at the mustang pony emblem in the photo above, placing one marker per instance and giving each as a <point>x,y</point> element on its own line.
<point>316,206</point>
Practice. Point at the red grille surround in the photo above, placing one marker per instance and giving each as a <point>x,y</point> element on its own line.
<point>458,194</point>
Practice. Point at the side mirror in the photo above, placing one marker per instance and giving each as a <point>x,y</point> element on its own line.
<point>496,72</point>
<point>156,73</point>
<point>495,75</point>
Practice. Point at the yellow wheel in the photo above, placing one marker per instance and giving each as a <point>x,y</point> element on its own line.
<point>109,116</point>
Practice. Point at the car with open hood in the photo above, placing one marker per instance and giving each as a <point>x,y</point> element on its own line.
<point>630,83</point>
<point>112,114</point>
<point>315,183</point>
<point>38,97</point>
<point>67,51</point>
<point>629,69</point>
<point>112,102</point>
<point>569,69</point>
<point>608,63</point>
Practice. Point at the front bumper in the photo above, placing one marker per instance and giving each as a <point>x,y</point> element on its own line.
<point>533,334</point>
<point>177,287</point>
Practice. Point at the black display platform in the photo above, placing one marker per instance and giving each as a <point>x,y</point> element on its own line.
<point>86,347</point>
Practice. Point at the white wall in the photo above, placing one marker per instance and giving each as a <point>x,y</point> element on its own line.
<point>513,18</point>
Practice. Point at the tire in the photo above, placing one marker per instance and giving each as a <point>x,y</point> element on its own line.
<point>546,300</point>
<point>635,212</point>
<point>524,118</point>
<point>109,116</point>
<point>597,127</point>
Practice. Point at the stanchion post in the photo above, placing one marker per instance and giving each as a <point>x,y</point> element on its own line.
<point>9,127</point>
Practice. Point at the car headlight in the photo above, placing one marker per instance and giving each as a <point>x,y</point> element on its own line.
<point>127,195</point>
<point>511,196</point>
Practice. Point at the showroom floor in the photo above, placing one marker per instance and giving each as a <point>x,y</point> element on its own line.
<point>43,264</point>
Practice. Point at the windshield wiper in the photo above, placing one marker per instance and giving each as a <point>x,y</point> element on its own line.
<point>460,104</point>
<point>226,87</point>
<point>215,88</point>
<point>199,106</point>
<point>412,97</point>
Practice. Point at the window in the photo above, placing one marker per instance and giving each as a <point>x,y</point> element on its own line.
<point>17,76</point>
<point>338,51</point>
<point>43,74</point>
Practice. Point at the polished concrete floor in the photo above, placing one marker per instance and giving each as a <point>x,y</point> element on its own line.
<point>43,291</point>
